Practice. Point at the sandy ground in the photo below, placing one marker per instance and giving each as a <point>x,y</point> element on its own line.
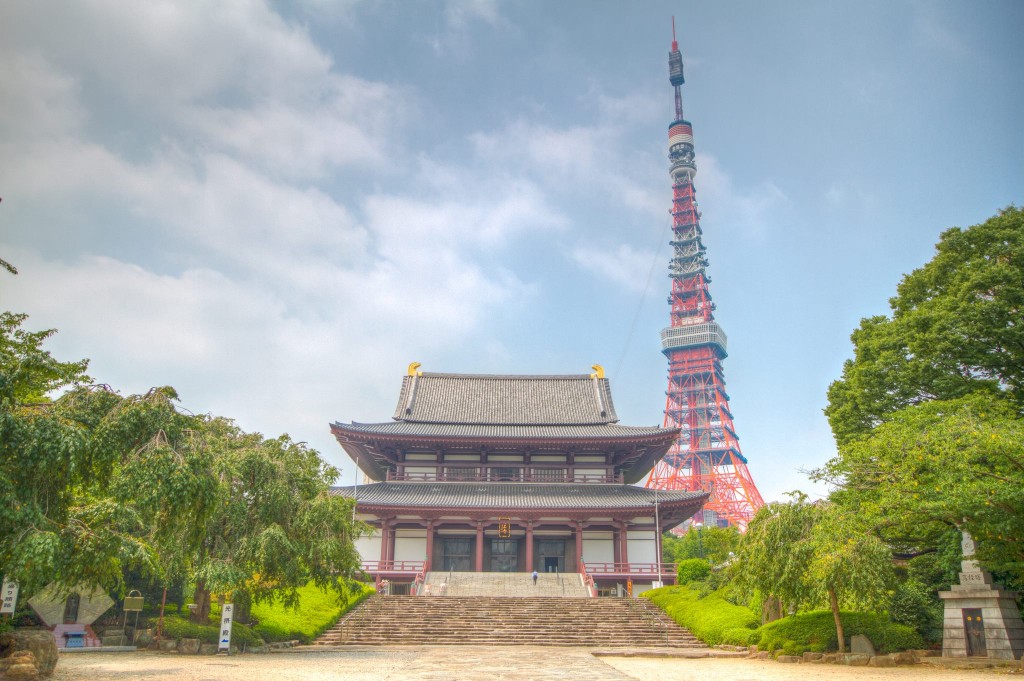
<point>470,664</point>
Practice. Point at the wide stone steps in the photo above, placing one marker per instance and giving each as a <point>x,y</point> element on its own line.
<point>447,620</point>
<point>505,584</point>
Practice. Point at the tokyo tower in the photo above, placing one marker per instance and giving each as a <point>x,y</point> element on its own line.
<point>707,455</point>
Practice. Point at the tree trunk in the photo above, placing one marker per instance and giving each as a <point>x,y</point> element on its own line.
<point>834,602</point>
<point>771,610</point>
<point>201,615</point>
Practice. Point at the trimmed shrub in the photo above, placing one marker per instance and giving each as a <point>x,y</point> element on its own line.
<point>914,605</point>
<point>816,632</point>
<point>711,618</point>
<point>178,627</point>
<point>693,570</point>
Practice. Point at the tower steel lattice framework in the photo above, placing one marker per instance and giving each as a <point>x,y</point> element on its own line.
<point>707,455</point>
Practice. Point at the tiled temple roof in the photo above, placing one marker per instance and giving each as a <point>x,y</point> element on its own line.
<point>508,496</point>
<point>506,431</point>
<point>504,412</point>
<point>579,399</point>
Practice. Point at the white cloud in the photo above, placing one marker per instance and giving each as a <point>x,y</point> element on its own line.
<point>460,13</point>
<point>628,268</point>
<point>746,210</point>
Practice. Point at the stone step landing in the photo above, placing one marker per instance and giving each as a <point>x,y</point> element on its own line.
<point>504,584</point>
<point>543,621</point>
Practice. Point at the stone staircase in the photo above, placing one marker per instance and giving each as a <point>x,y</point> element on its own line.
<point>539,620</point>
<point>504,584</point>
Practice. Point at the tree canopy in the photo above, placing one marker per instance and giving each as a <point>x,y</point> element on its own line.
<point>93,484</point>
<point>956,328</point>
<point>805,554</point>
<point>928,414</point>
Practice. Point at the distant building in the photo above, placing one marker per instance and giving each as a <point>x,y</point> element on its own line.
<point>481,473</point>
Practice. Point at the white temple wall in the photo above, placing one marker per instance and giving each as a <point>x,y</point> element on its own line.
<point>368,546</point>
<point>640,545</point>
<point>598,547</point>
<point>410,545</point>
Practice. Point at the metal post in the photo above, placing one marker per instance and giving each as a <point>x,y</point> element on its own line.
<point>657,534</point>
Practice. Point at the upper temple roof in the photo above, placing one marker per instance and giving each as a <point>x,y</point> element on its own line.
<point>477,399</point>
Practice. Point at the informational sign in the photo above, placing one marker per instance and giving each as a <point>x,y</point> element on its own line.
<point>227,612</point>
<point>9,596</point>
<point>133,602</point>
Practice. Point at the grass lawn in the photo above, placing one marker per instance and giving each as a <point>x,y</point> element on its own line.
<point>317,611</point>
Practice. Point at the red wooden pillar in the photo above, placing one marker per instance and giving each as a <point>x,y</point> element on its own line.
<point>430,546</point>
<point>529,546</point>
<point>624,544</point>
<point>579,545</point>
<point>617,544</point>
<point>383,541</point>
<point>479,547</point>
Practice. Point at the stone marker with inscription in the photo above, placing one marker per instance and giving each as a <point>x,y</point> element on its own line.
<point>981,618</point>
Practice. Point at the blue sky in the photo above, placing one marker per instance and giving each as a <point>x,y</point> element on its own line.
<point>275,207</point>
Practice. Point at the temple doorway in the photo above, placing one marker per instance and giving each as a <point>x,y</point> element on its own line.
<point>504,555</point>
<point>552,554</point>
<point>458,554</point>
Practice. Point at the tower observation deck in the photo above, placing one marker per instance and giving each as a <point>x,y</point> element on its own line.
<point>706,456</point>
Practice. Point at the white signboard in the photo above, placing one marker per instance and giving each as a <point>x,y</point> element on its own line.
<point>227,612</point>
<point>9,597</point>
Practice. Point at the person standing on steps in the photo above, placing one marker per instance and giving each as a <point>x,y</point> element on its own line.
<point>535,578</point>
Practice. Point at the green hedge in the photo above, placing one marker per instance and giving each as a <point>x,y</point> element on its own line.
<point>179,627</point>
<point>712,618</point>
<point>816,632</point>
<point>692,570</point>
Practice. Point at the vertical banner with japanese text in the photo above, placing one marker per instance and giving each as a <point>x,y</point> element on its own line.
<point>8,597</point>
<point>226,615</point>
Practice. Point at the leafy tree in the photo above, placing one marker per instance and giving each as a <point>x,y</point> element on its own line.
<point>276,527</point>
<point>776,552</point>
<point>955,329</point>
<point>941,466</point>
<point>801,553</point>
<point>852,566</point>
<point>80,496</point>
<point>715,544</point>
<point>692,570</point>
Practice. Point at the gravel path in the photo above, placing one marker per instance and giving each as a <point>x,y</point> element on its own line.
<point>512,663</point>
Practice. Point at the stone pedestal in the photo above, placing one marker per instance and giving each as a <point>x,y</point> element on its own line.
<point>981,619</point>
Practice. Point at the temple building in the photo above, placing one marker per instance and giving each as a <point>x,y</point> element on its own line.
<point>485,473</point>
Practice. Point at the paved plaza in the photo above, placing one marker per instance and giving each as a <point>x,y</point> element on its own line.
<point>470,663</point>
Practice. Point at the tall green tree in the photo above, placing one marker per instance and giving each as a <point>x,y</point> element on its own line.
<point>955,328</point>
<point>81,493</point>
<point>808,554</point>
<point>276,527</point>
<point>774,557</point>
<point>714,544</point>
<point>939,466</point>
<point>849,565</point>
<point>928,414</point>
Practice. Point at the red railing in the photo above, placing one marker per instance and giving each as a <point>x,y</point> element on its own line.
<point>417,584</point>
<point>588,581</point>
<point>658,571</point>
<point>523,477</point>
<point>393,566</point>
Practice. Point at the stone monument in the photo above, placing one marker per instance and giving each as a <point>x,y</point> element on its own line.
<point>981,618</point>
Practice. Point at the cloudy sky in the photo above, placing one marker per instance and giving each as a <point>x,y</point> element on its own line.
<point>275,207</point>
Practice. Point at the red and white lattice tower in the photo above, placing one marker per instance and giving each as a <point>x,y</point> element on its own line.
<point>707,455</point>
